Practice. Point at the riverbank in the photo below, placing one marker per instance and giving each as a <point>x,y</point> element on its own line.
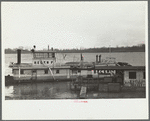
<point>89,50</point>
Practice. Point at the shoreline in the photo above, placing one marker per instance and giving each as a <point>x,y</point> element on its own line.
<point>84,52</point>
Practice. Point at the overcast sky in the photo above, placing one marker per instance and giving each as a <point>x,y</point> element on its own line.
<point>73,24</point>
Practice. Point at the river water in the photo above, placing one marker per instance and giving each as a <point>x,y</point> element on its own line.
<point>61,90</point>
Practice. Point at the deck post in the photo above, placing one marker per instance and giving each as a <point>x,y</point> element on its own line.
<point>19,72</point>
<point>83,92</point>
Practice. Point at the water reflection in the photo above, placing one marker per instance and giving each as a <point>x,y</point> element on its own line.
<point>49,90</point>
<point>59,90</point>
<point>113,95</point>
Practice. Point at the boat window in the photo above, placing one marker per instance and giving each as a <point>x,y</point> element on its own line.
<point>44,62</point>
<point>57,71</point>
<point>34,62</point>
<point>94,71</point>
<point>132,75</point>
<point>34,71</point>
<point>41,55</point>
<point>79,71</point>
<point>12,71</point>
<point>46,71</point>
<point>74,71</point>
<point>51,61</point>
<point>45,55</point>
<point>144,75</point>
<point>15,71</point>
<point>21,71</point>
<point>36,55</point>
<point>47,62</point>
<point>41,62</point>
<point>37,62</point>
<point>53,55</point>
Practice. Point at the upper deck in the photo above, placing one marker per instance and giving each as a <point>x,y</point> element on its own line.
<point>48,54</point>
<point>43,57</point>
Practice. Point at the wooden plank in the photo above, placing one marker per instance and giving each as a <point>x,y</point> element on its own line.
<point>83,92</point>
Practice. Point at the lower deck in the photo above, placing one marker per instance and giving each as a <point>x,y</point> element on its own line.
<point>53,74</point>
<point>129,77</point>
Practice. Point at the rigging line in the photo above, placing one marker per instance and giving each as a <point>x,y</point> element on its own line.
<point>64,55</point>
<point>49,69</point>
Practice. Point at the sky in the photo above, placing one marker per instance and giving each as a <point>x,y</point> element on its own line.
<point>66,25</point>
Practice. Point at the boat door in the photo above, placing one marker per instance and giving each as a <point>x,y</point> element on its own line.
<point>34,74</point>
<point>120,75</point>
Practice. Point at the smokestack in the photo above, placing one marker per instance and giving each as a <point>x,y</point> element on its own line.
<point>99,58</point>
<point>18,56</point>
<point>52,48</point>
<point>48,47</point>
<point>96,58</point>
<point>81,57</point>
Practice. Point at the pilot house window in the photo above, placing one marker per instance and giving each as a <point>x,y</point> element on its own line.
<point>132,75</point>
<point>53,55</point>
<point>44,55</point>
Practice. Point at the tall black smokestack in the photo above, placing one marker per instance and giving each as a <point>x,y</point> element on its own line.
<point>96,58</point>
<point>81,57</point>
<point>99,58</point>
<point>18,56</point>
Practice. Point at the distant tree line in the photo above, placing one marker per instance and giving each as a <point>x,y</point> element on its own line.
<point>9,50</point>
<point>135,48</point>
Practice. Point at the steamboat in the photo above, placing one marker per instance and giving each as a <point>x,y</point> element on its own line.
<point>44,67</point>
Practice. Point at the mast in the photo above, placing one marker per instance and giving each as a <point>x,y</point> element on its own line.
<point>81,61</point>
